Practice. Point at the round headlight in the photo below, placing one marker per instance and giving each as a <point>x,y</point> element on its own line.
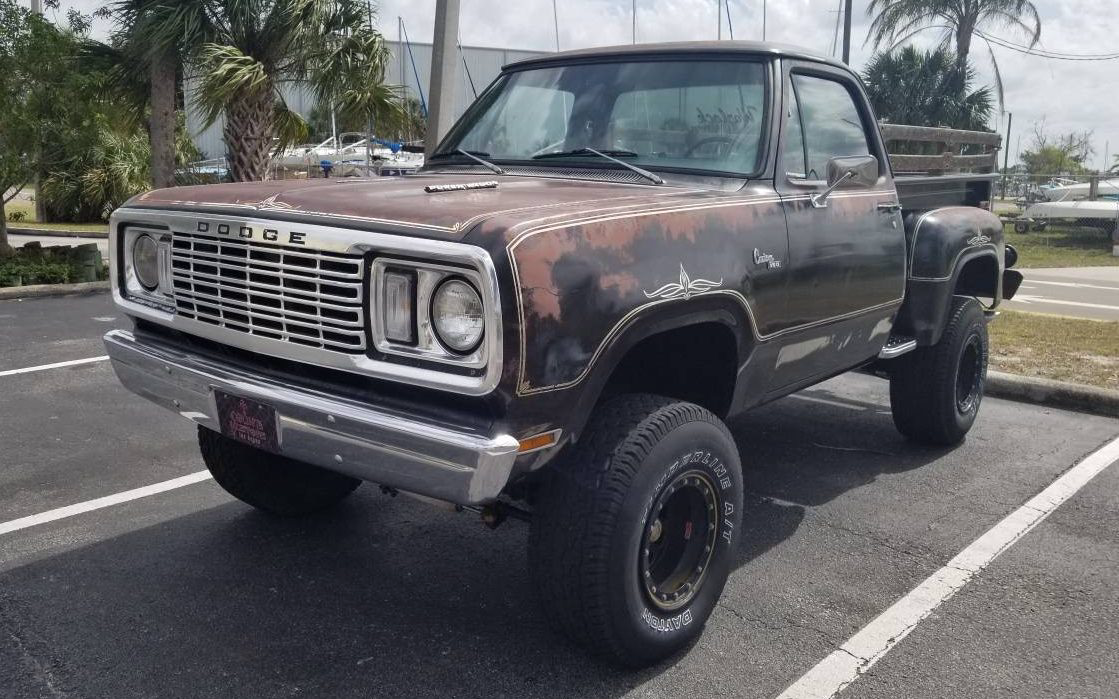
<point>145,261</point>
<point>457,315</point>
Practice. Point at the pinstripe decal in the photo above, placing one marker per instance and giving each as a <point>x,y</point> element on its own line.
<point>523,388</point>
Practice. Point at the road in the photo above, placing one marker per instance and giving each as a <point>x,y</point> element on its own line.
<point>190,593</point>
<point>1078,292</point>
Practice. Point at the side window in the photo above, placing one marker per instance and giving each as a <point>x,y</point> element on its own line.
<point>794,141</point>
<point>832,125</point>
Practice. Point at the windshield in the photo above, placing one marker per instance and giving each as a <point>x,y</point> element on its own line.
<point>693,115</point>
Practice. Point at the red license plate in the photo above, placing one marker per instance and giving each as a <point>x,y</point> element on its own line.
<point>247,421</point>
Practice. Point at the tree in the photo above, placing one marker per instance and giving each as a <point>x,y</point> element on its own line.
<point>896,21</point>
<point>149,41</point>
<point>255,46</point>
<point>1063,154</point>
<point>926,89</point>
<point>34,58</point>
<point>106,165</point>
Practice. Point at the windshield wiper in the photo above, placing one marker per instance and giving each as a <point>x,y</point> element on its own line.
<point>476,156</point>
<point>609,155</point>
<point>585,151</point>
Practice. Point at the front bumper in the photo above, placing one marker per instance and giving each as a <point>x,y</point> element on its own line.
<point>339,435</point>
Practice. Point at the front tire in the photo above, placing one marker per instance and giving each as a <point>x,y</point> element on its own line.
<point>631,539</point>
<point>270,482</point>
<point>935,392</point>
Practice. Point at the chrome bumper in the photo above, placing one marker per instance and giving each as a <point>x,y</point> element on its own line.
<point>340,435</point>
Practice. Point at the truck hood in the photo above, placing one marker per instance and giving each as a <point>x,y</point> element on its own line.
<point>401,204</point>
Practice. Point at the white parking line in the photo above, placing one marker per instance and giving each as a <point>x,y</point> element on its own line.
<point>826,401</point>
<point>99,503</point>
<point>1077,285</point>
<point>1022,298</point>
<point>56,365</point>
<point>844,665</point>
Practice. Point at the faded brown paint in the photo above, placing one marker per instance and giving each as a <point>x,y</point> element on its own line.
<point>401,202</point>
<point>577,282</point>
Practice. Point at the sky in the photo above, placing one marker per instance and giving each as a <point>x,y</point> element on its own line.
<point>1063,95</point>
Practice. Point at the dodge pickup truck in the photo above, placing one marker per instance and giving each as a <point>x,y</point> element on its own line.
<point>611,253</point>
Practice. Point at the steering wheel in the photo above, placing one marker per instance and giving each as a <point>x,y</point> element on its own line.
<point>729,140</point>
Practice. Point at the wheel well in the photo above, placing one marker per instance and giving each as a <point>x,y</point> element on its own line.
<point>697,363</point>
<point>979,277</point>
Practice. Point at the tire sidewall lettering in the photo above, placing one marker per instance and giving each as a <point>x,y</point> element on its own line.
<point>710,463</point>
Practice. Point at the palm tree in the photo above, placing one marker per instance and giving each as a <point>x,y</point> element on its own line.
<point>896,21</point>
<point>149,43</point>
<point>926,89</point>
<point>256,46</point>
<point>238,54</point>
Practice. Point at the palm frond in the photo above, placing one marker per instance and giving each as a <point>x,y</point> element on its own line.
<point>288,127</point>
<point>225,74</point>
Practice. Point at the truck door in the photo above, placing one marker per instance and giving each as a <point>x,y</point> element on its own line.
<point>846,267</point>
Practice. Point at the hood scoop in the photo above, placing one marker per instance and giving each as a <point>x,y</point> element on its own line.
<point>460,187</point>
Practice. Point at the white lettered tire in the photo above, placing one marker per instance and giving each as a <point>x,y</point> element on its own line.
<point>633,534</point>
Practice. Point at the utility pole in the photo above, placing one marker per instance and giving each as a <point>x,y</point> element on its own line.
<point>37,6</point>
<point>1006,155</point>
<point>444,77</point>
<point>847,32</point>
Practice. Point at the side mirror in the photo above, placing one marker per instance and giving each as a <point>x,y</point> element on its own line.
<point>864,169</point>
<point>859,170</point>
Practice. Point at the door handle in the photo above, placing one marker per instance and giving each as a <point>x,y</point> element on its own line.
<point>889,207</point>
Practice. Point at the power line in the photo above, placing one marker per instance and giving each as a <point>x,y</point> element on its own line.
<point>1044,53</point>
<point>1025,47</point>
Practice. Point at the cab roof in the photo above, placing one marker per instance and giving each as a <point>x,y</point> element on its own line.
<point>744,48</point>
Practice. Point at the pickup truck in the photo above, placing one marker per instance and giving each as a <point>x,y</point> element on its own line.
<point>610,253</point>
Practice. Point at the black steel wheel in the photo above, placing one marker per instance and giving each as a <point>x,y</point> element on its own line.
<point>969,375</point>
<point>679,540</point>
<point>631,539</point>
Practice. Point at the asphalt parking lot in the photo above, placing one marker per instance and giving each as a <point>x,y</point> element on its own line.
<point>190,593</point>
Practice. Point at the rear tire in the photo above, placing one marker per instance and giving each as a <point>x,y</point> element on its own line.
<point>270,482</point>
<point>935,392</point>
<point>630,541</point>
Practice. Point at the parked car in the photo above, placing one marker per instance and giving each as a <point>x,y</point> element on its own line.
<point>611,253</point>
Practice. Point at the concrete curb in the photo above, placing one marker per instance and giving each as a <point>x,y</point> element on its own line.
<point>51,233</point>
<point>34,291</point>
<point>1056,394</point>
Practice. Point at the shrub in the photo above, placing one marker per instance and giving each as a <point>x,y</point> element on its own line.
<point>37,265</point>
<point>18,271</point>
<point>17,216</point>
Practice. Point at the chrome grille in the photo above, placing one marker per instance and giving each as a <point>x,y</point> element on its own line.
<point>307,297</point>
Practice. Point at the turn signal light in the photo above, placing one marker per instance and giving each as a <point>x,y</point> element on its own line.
<point>539,441</point>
